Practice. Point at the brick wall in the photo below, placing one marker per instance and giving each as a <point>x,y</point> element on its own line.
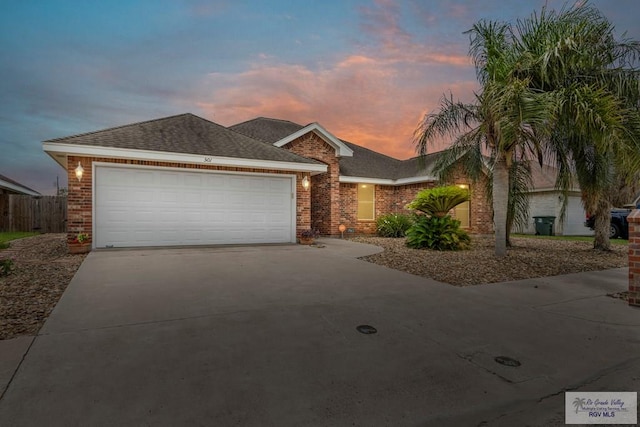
<point>325,188</point>
<point>80,201</point>
<point>634,257</point>
<point>480,210</point>
<point>393,199</point>
<point>348,205</point>
<point>333,203</point>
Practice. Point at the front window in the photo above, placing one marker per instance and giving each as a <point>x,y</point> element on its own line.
<point>461,212</point>
<point>366,195</point>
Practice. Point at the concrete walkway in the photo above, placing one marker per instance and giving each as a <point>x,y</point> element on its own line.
<point>266,336</point>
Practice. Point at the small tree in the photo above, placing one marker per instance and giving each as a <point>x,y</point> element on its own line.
<point>436,229</point>
<point>439,201</point>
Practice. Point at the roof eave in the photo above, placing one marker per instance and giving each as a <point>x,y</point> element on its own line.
<point>18,188</point>
<point>60,151</point>
<point>386,181</point>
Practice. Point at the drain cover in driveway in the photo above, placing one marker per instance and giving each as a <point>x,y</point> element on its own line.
<point>366,329</point>
<point>507,361</point>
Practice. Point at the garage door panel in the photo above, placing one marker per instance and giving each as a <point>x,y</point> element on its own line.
<point>145,197</point>
<point>192,197</point>
<point>143,179</point>
<point>167,180</point>
<point>169,197</point>
<point>277,218</point>
<point>276,186</point>
<point>277,199</point>
<point>117,195</point>
<point>143,216</point>
<point>157,207</point>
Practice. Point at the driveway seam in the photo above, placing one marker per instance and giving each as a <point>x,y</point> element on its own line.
<point>15,371</point>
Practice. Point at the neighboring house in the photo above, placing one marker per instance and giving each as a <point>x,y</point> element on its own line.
<point>9,186</point>
<point>184,180</point>
<point>546,200</point>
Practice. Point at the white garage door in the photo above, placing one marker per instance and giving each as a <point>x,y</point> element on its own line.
<point>156,207</point>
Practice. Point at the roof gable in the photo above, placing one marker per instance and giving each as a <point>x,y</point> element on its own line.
<point>282,132</point>
<point>355,161</point>
<point>342,150</point>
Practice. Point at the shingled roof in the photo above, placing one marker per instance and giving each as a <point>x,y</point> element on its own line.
<point>265,129</point>
<point>14,186</point>
<point>185,134</point>
<point>367,163</point>
<point>364,163</point>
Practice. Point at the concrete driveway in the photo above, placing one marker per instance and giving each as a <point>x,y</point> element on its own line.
<point>266,336</point>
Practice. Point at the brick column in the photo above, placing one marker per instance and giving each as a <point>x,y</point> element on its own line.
<point>79,205</point>
<point>634,257</point>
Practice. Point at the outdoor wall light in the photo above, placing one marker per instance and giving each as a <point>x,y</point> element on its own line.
<point>305,183</point>
<point>79,171</point>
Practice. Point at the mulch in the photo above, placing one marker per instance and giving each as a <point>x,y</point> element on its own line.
<point>42,269</point>
<point>528,258</point>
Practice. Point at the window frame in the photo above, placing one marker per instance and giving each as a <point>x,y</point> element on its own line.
<point>372,202</point>
<point>468,205</point>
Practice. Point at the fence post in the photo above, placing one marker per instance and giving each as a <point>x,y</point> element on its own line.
<point>46,214</point>
<point>634,257</point>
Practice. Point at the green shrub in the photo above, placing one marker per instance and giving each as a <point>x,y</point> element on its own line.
<point>6,265</point>
<point>440,233</point>
<point>439,200</point>
<point>393,225</point>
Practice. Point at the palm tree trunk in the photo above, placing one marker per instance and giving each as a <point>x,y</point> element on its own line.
<point>500,202</point>
<point>602,225</point>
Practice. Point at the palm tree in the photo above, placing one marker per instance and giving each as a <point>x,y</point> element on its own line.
<point>477,166</point>
<point>507,119</point>
<point>575,55</point>
<point>557,86</point>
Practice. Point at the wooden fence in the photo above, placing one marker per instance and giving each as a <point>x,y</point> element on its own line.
<point>46,214</point>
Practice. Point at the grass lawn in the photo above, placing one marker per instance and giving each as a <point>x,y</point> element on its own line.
<point>6,237</point>
<point>570,238</point>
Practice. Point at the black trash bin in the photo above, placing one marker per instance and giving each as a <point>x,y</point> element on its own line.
<point>544,225</point>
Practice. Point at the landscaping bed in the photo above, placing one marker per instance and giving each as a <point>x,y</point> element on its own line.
<point>42,269</point>
<point>528,258</point>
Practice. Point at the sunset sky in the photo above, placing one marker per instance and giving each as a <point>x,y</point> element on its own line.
<point>366,70</point>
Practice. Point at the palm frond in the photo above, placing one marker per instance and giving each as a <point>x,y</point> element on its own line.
<point>452,119</point>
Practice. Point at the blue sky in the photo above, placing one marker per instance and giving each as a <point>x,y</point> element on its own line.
<point>366,70</point>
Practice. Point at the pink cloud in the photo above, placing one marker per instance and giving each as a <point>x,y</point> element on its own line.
<point>359,99</point>
<point>374,96</point>
<point>381,20</point>
<point>382,24</point>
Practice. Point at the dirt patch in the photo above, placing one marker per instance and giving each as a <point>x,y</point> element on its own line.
<point>528,258</point>
<point>42,270</point>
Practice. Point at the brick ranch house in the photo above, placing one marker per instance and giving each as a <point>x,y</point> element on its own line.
<point>184,180</point>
